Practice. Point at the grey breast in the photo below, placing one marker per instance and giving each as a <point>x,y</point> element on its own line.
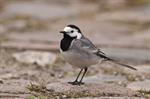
<point>81,53</point>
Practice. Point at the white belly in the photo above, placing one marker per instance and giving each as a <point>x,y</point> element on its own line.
<point>80,60</point>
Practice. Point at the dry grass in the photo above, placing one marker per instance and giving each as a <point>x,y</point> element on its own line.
<point>145,93</point>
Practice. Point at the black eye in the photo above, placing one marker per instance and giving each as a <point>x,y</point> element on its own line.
<point>72,31</point>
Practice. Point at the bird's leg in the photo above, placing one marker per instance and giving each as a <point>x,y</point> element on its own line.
<point>78,75</point>
<point>85,70</point>
<point>76,81</point>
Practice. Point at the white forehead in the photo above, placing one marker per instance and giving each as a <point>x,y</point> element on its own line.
<point>67,29</point>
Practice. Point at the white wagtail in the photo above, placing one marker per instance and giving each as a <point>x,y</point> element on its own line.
<point>79,51</point>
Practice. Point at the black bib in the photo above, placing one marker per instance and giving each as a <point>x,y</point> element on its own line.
<point>66,42</point>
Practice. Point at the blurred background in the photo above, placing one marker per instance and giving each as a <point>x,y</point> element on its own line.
<point>29,40</point>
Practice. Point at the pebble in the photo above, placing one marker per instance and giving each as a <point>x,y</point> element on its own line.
<point>35,57</point>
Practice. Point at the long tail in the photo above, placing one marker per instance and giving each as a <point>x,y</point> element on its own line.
<point>114,61</point>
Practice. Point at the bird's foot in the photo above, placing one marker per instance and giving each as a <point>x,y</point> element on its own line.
<point>76,83</point>
<point>81,83</point>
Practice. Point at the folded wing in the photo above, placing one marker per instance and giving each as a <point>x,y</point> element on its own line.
<point>86,45</point>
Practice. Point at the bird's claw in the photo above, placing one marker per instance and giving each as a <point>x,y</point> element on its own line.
<point>76,83</point>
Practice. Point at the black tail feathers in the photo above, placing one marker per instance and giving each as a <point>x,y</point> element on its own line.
<point>114,61</point>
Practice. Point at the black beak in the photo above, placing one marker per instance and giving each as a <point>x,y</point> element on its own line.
<point>63,32</point>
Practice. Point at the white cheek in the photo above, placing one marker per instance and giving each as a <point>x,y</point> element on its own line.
<point>73,34</point>
<point>76,34</point>
<point>79,36</point>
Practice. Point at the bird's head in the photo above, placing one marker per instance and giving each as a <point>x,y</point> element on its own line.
<point>72,31</point>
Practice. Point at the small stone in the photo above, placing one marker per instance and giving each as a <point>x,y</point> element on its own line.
<point>140,85</point>
<point>35,57</point>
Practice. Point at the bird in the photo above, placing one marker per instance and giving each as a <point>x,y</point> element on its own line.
<point>79,51</point>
